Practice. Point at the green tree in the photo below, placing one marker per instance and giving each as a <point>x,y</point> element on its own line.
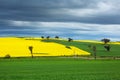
<point>56,37</point>
<point>105,40</point>
<point>42,37</point>
<point>94,52</point>
<point>31,50</point>
<point>48,37</point>
<point>70,39</point>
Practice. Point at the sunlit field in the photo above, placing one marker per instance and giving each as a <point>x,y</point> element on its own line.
<point>100,50</point>
<point>19,47</point>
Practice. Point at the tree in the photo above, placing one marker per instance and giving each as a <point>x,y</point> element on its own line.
<point>42,37</point>
<point>70,39</point>
<point>7,56</point>
<point>107,47</point>
<point>57,37</point>
<point>48,37</point>
<point>105,40</point>
<point>89,46</point>
<point>94,51</point>
<point>31,50</point>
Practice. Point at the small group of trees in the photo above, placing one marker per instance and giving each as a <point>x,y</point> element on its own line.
<point>56,37</point>
<point>48,37</point>
<point>94,47</point>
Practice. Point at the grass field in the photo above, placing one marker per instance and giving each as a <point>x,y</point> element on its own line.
<point>56,68</point>
<point>115,47</point>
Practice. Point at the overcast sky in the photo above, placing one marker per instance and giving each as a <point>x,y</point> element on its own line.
<point>78,19</point>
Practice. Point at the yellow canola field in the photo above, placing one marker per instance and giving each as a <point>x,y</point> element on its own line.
<point>19,47</point>
<point>116,43</point>
<point>90,41</point>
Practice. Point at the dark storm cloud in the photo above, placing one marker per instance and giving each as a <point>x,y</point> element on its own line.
<point>54,11</point>
<point>68,18</point>
<point>34,10</point>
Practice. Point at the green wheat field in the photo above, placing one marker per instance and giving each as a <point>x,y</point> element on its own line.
<point>58,68</point>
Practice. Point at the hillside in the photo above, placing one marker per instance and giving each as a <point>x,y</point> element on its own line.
<point>83,44</point>
<point>19,47</point>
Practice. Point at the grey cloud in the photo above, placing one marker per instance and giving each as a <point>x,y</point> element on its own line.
<point>45,3</point>
<point>100,12</point>
<point>53,11</point>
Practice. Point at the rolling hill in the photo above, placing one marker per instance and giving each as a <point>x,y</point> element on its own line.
<point>19,47</point>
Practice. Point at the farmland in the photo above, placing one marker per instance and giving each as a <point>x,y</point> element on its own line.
<point>115,46</point>
<point>19,47</point>
<point>57,68</point>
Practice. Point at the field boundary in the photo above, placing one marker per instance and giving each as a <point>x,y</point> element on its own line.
<point>72,57</point>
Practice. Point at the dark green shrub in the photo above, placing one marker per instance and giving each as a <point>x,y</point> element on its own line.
<point>7,56</point>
